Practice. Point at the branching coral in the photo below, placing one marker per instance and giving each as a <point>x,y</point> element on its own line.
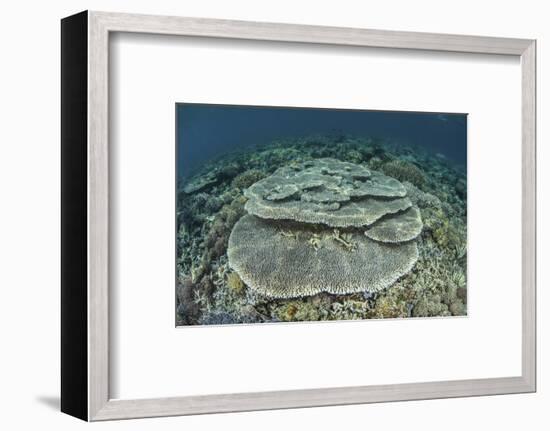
<point>235,282</point>
<point>430,305</point>
<point>405,171</point>
<point>299,311</point>
<point>187,309</point>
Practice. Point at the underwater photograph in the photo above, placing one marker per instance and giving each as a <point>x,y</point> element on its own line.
<point>287,214</point>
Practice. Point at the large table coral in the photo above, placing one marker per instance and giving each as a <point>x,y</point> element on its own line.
<point>324,226</point>
<point>326,191</point>
<point>291,261</point>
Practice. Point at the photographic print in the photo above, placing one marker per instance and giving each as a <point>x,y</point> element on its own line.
<point>289,214</point>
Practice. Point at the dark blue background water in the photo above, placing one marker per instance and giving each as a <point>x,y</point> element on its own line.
<point>207,131</point>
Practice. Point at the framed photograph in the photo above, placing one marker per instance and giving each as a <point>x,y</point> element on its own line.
<point>262,216</point>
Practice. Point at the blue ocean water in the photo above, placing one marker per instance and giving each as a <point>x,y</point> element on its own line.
<point>207,131</point>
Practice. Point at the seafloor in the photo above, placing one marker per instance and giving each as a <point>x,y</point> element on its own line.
<point>209,292</point>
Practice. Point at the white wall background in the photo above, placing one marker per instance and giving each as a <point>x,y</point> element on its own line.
<point>29,217</point>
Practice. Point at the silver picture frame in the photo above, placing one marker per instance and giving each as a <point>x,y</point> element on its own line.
<point>85,215</point>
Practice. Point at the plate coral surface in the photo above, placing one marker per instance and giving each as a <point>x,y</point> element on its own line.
<point>321,228</point>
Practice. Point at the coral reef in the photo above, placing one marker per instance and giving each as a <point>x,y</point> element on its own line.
<point>211,203</point>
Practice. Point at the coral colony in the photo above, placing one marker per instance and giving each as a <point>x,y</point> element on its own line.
<point>322,228</point>
<point>325,226</point>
